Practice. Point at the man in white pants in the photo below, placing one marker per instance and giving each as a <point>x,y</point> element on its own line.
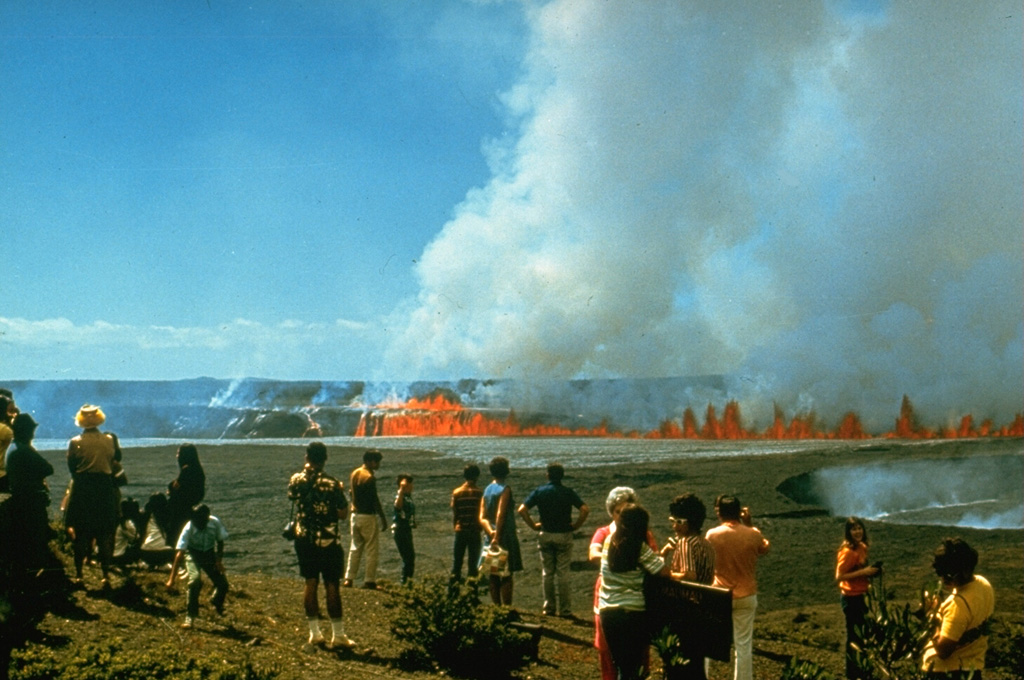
<point>366,509</point>
<point>738,545</point>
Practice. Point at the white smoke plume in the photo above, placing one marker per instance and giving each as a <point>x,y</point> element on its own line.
<point>822,201</point>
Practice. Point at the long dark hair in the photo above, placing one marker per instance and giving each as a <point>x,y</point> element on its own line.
<point>852,522</point>
<point>630,535</point>
<point>157,509</point>
<point>188,454</point>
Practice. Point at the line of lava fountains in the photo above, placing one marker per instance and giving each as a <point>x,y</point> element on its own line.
<point>441,416</point>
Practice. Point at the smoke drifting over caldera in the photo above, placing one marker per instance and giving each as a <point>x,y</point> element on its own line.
<point>820,202</point>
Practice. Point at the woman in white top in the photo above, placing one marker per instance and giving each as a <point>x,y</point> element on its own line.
<point>625,559</point>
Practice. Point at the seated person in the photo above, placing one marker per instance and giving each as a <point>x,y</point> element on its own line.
<point>127,537</point>
<point>157,547</point>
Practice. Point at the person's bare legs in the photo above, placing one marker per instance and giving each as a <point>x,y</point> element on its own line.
<point>80,548</point>
<point>506,591</point>
<point>309,597</point>
<point>309,603</point>
<point>334,610</point>
<point>105,544</point>
<point>496,588</point>
<point>333,600</point>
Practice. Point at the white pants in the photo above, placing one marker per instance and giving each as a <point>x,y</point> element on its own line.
<point>365,535</point>
<point>743,609</point>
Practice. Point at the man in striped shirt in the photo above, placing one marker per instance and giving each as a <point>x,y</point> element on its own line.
<point>692,556</point>
<point>465,506</point>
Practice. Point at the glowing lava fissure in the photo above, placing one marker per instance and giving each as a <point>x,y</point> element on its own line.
<point>440,416</point>
<point>437,416</point>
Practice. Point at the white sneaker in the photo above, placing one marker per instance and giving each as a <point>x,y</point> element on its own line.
<point>316,639</point>
<point>342,641</point>
<point>187,623</point>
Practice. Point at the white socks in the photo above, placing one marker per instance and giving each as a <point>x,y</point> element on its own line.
<point>338,637</point>
<point>315,635</point>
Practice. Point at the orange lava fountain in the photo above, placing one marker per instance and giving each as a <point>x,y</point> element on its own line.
<point>440,416</point>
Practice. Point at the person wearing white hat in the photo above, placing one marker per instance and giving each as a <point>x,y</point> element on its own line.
<point>92,509</point>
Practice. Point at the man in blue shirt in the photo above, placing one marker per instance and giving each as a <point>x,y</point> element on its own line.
<point>554,539</point>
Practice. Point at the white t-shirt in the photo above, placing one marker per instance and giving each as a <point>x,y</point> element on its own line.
<point>625,589</point>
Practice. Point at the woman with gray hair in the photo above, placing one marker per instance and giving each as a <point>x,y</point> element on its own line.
<point>617,499</point>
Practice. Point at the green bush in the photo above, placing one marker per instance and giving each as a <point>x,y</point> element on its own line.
<point>444,623</point>
<point>1006,648</point>
<point>669,649</point>
<point>100,662</point>
<point>673,654</point>
<point>797,669</point>
<point>895,636</point>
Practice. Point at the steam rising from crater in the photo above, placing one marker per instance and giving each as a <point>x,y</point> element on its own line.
<point>822,202</point>
<point>983,492</point>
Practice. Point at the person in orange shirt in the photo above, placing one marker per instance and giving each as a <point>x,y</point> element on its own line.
<point>738,545</point>
<point>852,574</point>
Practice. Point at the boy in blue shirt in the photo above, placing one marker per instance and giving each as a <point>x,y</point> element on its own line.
<point>402,526</point>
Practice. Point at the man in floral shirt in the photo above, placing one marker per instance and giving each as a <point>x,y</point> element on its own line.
<point>319,504</point>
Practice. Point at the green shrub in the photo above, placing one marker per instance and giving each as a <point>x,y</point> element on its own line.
<point>895,636</point>
<point>99,662</point>
<point>444,623</point>
<point>797,669</point>
<point>1006,648</point>
<point>669,649</point>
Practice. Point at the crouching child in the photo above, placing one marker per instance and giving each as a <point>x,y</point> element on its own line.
<point>201,543</point>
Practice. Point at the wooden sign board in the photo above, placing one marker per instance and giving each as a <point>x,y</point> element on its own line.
<point>701,616</point>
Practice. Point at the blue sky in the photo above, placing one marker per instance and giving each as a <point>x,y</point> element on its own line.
<point>821,197</point>
<point>214,162</point>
